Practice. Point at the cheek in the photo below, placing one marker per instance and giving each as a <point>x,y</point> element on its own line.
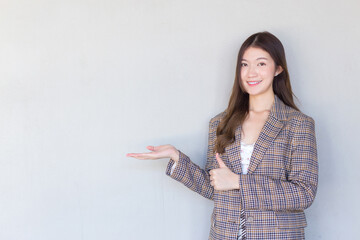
<point>242,77</point>
<point>243,73</point>
<point>268,72</point>
<point>241,83</point>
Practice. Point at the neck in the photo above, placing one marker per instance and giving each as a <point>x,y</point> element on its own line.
<point>262,102</point>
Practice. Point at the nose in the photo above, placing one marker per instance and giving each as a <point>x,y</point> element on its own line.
<point>252,71</point>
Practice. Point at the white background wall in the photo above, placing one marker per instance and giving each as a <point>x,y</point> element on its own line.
<point>84,82</point>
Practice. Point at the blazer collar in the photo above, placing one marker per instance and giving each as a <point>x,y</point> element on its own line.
<point>279,110</point>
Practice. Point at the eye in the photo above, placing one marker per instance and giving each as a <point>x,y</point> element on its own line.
<point>243,64</point>
<point>261,64</point>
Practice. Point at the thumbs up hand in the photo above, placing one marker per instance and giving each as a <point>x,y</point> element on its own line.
<point>223,178</point>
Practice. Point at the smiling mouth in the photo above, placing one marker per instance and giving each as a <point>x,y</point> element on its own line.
<point>254,83</point>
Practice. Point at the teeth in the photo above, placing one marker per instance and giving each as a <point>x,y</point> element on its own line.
<point>252,83</point>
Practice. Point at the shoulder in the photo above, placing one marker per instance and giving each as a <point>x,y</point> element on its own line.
<point>296,116</point>
<point>283,112</point>
<point>214,121</point>
<point>287,114</point>
<point>298,121</point>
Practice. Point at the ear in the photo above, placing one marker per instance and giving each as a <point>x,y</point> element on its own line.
<point>279,70</point>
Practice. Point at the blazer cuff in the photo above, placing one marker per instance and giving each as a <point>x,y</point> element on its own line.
<point>178,172</point>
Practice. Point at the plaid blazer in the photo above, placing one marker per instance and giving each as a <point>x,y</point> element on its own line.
<point>281,181</point>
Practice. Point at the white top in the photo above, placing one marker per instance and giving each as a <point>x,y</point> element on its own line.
<point>245,153</point>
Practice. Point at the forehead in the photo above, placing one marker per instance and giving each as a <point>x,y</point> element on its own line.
<point>253,54</point>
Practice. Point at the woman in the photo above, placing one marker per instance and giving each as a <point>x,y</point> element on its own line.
<point>261,169</point>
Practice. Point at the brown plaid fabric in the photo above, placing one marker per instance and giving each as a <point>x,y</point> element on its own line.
<point>281,180</point>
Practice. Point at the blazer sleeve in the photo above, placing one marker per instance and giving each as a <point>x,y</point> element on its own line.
<point>190,174</point>
<point>298,192</point>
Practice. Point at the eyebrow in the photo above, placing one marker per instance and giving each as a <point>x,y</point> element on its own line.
<point>260,58</point>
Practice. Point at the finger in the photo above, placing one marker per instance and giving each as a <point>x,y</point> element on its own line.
<point>134,155</point>
<point>131,154</point>
<point>151,148</point>
<point>220,161</point>
<point>141,156</point>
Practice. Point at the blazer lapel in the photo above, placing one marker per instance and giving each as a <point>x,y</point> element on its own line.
<point>271,129</point>
<point>267,135</point>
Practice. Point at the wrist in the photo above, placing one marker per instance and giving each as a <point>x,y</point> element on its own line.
<point>175,155</point>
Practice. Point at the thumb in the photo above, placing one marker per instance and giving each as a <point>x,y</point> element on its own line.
<point>220,161</point>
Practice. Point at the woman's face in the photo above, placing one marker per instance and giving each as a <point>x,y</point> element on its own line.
<point>257,72</point>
